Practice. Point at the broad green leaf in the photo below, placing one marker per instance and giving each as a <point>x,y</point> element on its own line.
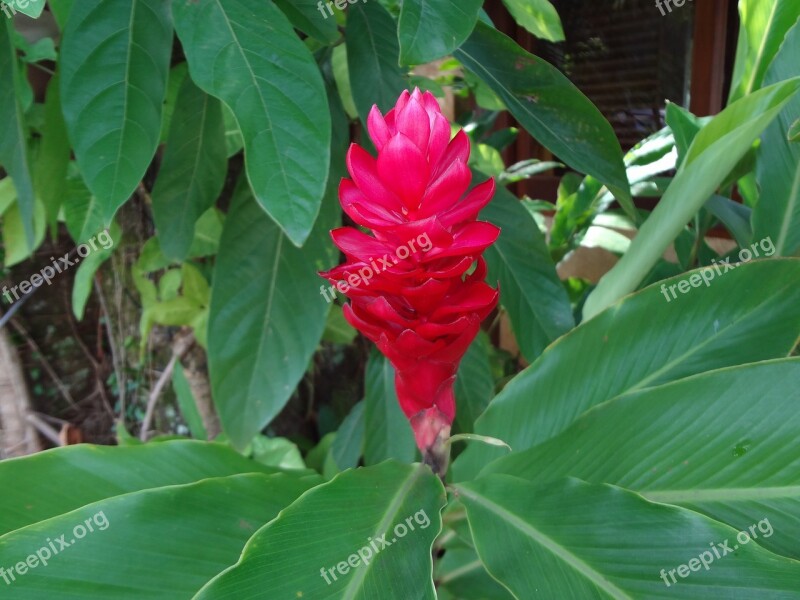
<point>312,18</point>
<point>372,57</point>
<point>728,455</point>
<point>55,482</point>
<point>387,430</point>
<point>537,16</point>
<point>530,289</point>
<point>247,54</point>
<point>163,543</point>
<point>639,343</point>
<point>348,446</point>
<point>187,404</point>
<point>192,171</point>
<point>386,517</point>
<point>712,156</point>
<point>571,539</point>
<point>550,107</point>
<point>474,386</point>
<point>84,276</point>
<point>777,215</point>
<point>266,316</point>
<point>14,135</point>
<point>112,91</point>
<point>52,160</point>
<point>764,24</point>
<point>431,29</point>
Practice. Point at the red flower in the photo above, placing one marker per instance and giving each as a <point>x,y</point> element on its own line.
<point>412,285</point>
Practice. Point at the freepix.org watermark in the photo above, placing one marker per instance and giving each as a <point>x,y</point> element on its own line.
<point>375,547</point>
<point>718,269</point>
<point>718,550</point>
<point>422,243</point>
<point>59,266</point>
<point>340,4</point>
<point>53,547</point>
<point>660,4</point>
<point>9,7</point>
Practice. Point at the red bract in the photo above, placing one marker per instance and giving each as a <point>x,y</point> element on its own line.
<point>416,286</point>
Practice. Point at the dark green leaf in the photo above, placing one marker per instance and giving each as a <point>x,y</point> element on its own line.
<point>247,54</point>
<point>112,91</point>
<point>308,17</point>
<point>474,386</point>
<point>266,317</point>
<point>13,133</point>
<point>777,215</point>
<point>372,58</point>
<point>530,289</point>
<point>550,107</point>
<point>192,171</point>
<point>387,430</point>
<point>431,29</point>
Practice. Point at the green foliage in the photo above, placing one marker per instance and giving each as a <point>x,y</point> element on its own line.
<point>643,436</point>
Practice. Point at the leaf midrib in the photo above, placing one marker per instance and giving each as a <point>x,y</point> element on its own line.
<point>726,495</point>
<point>360,575</point>
<point>546,542</point>
<point>267,116</point>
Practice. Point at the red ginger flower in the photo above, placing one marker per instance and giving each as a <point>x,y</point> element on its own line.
<point>410,285</point>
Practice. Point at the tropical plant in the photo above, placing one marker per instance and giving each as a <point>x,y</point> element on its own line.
<point>646,451</point>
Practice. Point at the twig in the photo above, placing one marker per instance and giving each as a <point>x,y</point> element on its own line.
<point>44,362</point>
<point>99,385</point>
<point>45,429</point>
<point>118,370</point>
<point>179,351</point>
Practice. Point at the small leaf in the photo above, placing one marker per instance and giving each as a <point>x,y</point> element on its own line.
<point>537,16</point>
